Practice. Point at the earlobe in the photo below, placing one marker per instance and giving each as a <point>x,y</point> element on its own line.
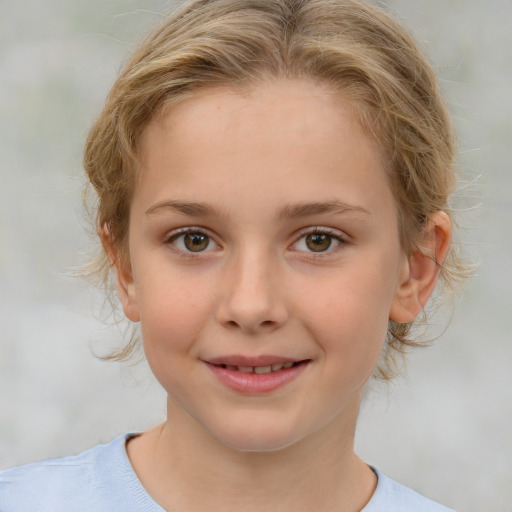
<point>124,278</point>
<point>127,293</point>
<point>421,270</point>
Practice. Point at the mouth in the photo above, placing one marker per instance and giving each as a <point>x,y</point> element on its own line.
<point>256,375</point>
<point>260,370</point>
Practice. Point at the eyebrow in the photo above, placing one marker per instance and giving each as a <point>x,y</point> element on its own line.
<point>184,207</point>
<point>290,211</point>
<point>315,208</point>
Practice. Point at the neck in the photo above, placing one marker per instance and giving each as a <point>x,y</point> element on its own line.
<point>322,473</point>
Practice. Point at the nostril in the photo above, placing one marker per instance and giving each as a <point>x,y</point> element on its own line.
<point>265,325</point>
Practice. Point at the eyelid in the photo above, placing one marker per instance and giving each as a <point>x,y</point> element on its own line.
<point>341,237</point>
<point>336,234</point>
<point>184,230</point>
<point>173,235</point>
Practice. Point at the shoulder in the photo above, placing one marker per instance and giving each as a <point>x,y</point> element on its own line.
<point>391,495</point>
<point>72,483</point>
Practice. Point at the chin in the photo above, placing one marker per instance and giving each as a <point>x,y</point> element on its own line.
<point>256,437</point>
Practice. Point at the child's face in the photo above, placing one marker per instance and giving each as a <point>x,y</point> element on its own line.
<point>263,231</point>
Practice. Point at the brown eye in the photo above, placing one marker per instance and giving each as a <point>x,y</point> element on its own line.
<point>318,242</point>
<point>196,242</point>
<point>192,242</point>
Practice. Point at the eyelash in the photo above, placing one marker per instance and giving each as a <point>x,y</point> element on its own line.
<point>175,235</point>
<point>317,230</point>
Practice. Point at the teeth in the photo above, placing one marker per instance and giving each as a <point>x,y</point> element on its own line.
<point>262,369</point>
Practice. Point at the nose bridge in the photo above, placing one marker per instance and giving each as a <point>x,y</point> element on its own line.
<point>252,298</point>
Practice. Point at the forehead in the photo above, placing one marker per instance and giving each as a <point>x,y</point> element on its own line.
<point>292,105</point>
<point>285,139</point>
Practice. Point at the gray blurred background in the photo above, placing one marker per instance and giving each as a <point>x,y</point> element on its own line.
<point>445,429</point>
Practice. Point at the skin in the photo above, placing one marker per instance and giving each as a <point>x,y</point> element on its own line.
<point>254,158</point>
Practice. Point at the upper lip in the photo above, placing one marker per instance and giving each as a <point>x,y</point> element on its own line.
<point>241,360</point>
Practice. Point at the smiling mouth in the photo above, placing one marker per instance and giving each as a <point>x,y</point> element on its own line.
<point>260,370</point>
<point>256,375</point>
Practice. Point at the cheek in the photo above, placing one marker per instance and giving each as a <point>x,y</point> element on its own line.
<point>353,299</point>
<point>172,319</point>
<point>348,315</point>
<point>173,312</point>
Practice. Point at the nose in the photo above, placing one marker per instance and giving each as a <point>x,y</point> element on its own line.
<point>252,298</point>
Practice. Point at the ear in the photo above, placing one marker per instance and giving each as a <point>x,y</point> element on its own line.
<point>422,269</point>
<point>125,284</point>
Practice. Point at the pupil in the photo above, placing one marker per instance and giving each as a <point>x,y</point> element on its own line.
<point>318,242</point>
<point>196,242</point>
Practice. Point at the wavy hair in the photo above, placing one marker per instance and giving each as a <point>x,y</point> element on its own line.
<point>349,46</point>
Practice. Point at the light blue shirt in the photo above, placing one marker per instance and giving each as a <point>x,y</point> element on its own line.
<point>102,479</point>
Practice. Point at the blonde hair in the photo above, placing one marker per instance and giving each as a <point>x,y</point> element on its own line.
<point>348,45</point>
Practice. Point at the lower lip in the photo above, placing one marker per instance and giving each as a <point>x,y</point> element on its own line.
<point>253,383</point>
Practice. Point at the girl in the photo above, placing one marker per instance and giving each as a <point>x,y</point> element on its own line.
<point>272,181</point>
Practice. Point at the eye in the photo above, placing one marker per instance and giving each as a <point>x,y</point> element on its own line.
<point>192,241</point>
<point>318,241</point>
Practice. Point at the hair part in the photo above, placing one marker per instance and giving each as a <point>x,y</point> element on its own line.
<point>352,47</point>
